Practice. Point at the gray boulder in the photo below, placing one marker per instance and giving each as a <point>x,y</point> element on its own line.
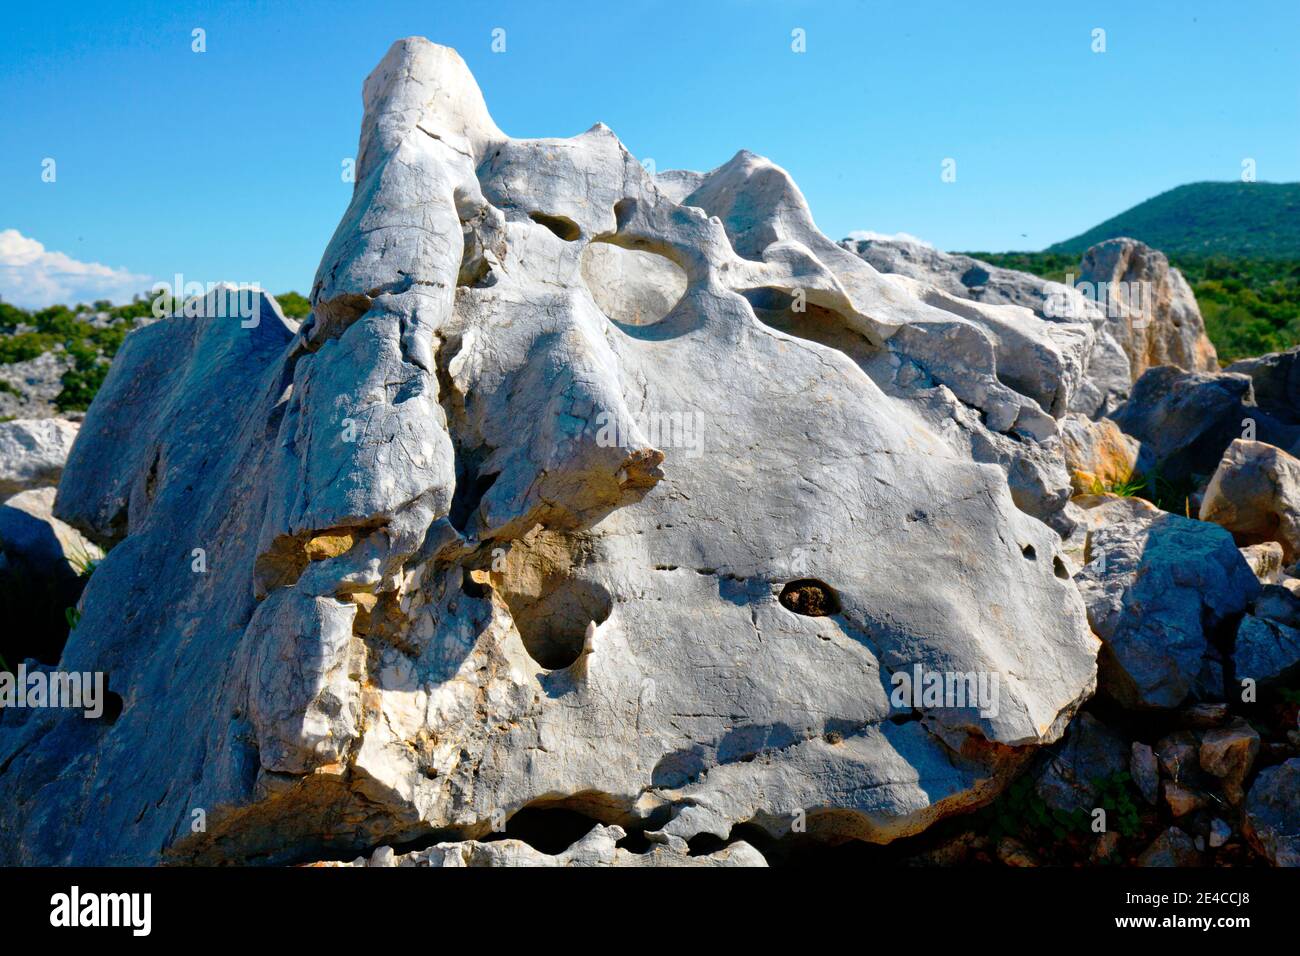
<point>1272,822</point>
<point>32,536</point>
<point>1276,381</point>
<point>465,543</point>
<point>1267,648</point>
<point>43,563</point>
<point>1156,586</point>
<point>1145,771</point>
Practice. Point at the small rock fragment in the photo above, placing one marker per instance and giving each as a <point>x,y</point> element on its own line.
<point>1205,715</point>
<point>1145,771</point>
<point>1182,800</point>
<point>1265,559</point>
<point>1228,753</point>
<point>1220,832</point>
<point>1171,848</point>
<point>1014,853</point>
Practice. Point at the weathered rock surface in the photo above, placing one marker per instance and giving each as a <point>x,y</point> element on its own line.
<point>597,848</point>
<point>32,452</point>
<point>1152,311</point>
<point>962,276</point>
<point>464,542</point>
<point>1145,771</point>
<point>1273,813</point>
<point>1255,494</point>
<point>1156,585</point>
<point>1104,373</point>
<point>1268,641</point>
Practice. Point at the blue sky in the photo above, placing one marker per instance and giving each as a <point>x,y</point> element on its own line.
<point>225,165</point>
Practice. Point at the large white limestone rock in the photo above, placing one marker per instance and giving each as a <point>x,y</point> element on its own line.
<point>1149,306</point>
<point>579,488</point>
<point>1101,373</point>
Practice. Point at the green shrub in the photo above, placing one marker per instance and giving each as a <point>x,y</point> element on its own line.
<point>90,346</point>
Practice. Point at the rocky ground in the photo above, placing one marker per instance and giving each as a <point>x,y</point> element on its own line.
<point>598,517</point>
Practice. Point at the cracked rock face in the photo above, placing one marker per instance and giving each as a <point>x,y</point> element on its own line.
<point>579,488</point>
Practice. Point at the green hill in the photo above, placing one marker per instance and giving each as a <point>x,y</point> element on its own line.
<point>1240,220</point>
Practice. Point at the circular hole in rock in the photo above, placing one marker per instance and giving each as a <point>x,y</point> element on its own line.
<point>631,286</point>
<point>809,597</point>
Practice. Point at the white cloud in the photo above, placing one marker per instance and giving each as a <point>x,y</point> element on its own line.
<point>32,277</point>
<point>896,237</point>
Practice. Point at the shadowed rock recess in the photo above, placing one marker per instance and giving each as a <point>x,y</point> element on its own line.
<point>580,490</point>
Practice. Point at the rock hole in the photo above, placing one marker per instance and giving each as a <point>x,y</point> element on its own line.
<point>547,830</point>
<point>554,630</point>
<point>562,226</point>
<point>704,844</point>
<point>631,286</point>
<point>1059,569</point>
<point>775,308</point>
<point>809,597</point>
<point>635,842</point>
<point>1029,552</point>
<point>470,489</point>
<point>624,210</point>
<point>551,604</point>
<point>471,586</point>
<point>112,708</point>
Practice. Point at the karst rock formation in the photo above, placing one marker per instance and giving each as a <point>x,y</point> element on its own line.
<point>583,488</point>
